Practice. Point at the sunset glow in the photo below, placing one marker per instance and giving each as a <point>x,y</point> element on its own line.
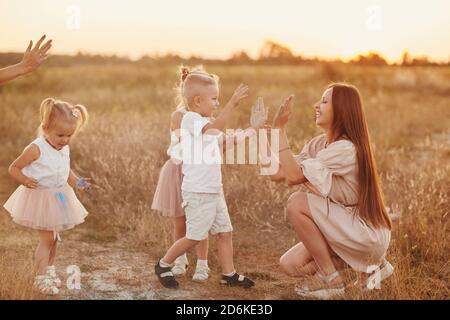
<point>328,29</point>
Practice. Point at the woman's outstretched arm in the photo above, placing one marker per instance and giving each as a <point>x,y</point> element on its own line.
<point>270,159</point>
<point>292,171</point>
<point>32,59</point>
<point>270,165</point>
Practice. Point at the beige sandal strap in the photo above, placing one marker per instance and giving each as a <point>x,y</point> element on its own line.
<point>327,278</point>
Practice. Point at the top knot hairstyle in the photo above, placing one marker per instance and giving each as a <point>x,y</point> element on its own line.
<point>184,73</point>
<point>54,111</point>
<point>191,81</point>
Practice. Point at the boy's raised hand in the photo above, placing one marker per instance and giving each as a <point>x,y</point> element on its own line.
<point>259,114</point>
<point>240,93</point>
<point>219,123</point>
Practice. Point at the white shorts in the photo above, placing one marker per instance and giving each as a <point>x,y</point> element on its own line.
<point>205,212</point>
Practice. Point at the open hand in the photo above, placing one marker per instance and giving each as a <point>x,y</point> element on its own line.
<point>285,110</point>
<point>34,56</point>
<point>240,93</point>
<point>259,114</point>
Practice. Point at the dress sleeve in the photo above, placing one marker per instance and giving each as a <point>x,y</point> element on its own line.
<point>305,153</point>
<point>338,159</point>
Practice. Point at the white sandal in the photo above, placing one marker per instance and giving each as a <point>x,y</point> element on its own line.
<point>201,274</point>
<point>384,271</point>
<point>324,293</point>
<point>45,285</point>
<point>51,273</point>
<point>180,266</point>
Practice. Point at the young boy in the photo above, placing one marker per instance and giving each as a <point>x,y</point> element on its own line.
<point>203,199</point>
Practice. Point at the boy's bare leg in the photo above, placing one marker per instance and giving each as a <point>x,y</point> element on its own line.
<point>201,250</point>
<point>179,230</point>
<point>225,251</point>
<point>177,249</point>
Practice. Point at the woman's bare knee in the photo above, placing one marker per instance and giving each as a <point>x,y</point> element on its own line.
<point>287,265</point>
<point>297,204</point>
<point>292,211</point>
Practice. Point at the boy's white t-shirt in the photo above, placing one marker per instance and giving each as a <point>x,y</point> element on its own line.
<point>201,154</point>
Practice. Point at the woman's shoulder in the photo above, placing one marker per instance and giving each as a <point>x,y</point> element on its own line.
<point>342,144</point>
<point>340,151</point>
<point>320,138</point>
<point>317,143</point>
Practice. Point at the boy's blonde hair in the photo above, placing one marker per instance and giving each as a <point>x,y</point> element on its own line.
<point>53,111</point>
<point>190,81</point>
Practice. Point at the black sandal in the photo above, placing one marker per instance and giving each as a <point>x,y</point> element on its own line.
<point>237,280</point>
<point>165,276</point>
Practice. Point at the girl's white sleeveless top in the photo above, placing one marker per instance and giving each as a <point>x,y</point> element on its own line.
<point>52,168</point>
<point>174,150</point>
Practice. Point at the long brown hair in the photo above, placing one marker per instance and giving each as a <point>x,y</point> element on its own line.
<point>349,121</point>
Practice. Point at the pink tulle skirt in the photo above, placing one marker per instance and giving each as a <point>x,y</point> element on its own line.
<point>52,209</point>
<point>167,198</point>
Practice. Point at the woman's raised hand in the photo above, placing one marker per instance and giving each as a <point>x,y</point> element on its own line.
<point>282,117</point>
<point>259,114</point>
<point>34,56</point>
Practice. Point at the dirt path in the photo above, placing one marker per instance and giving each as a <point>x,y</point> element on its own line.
<point>111,272</point>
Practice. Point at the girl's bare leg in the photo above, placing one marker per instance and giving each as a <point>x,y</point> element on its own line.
<point>42,253</point>
<point>51,258</point>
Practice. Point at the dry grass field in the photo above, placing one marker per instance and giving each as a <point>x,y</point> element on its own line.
<point>123,148</point>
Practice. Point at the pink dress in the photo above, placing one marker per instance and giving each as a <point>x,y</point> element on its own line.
<point>332,179</point>
<point>167,197</point>
<point>54,205</point>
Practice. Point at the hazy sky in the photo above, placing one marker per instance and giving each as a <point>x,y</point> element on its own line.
<point>218,28</point>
